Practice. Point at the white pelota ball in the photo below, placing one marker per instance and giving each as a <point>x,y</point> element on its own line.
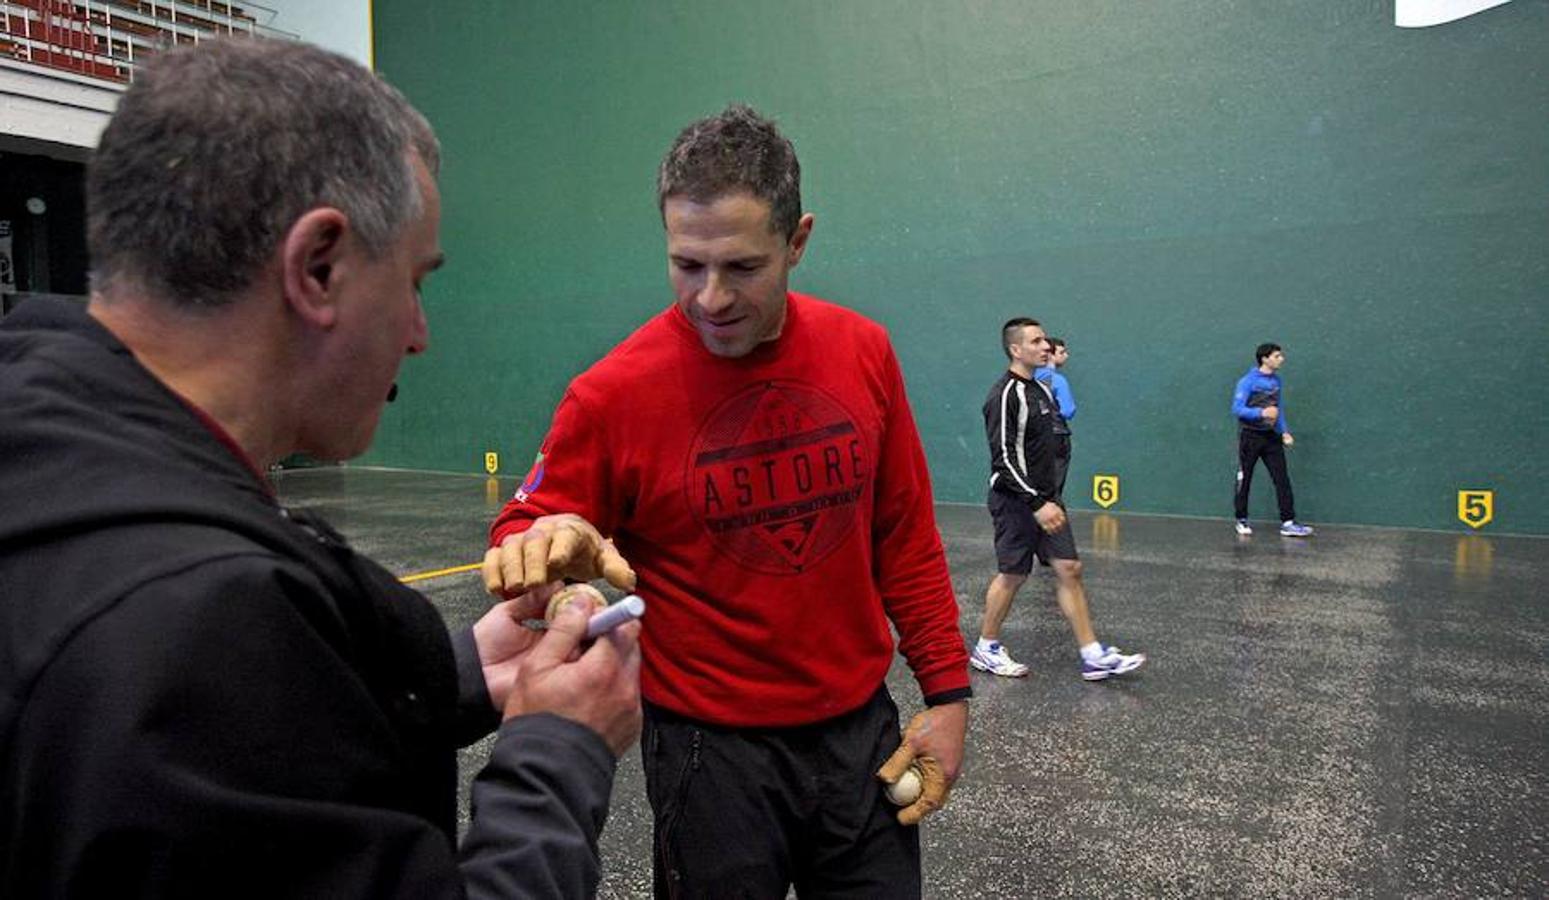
<point>568,594</point>
<point>907,789</point>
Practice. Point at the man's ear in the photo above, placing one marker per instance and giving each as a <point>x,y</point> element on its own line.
<point>309,255</point>
<point>798,242</point>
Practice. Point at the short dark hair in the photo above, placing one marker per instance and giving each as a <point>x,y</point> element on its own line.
<point>1056,342</point>
<point>734,150</point>
<point>1011,332</point>
<point>216,150</point>
<point>1263,351</point>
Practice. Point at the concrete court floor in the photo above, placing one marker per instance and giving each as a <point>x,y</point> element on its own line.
<point>1361,714</point>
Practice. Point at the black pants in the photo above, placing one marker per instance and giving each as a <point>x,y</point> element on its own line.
<point>748,812</point>
<point>1251,447</point>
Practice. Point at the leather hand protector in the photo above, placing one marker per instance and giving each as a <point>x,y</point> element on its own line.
<point>933,781</point>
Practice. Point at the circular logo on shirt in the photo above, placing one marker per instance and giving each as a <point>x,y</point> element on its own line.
<point>775,474</point>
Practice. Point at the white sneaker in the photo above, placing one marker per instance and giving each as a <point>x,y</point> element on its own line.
<point>1243,527</point>
<point>1111,664</point>
<point>996,660</point>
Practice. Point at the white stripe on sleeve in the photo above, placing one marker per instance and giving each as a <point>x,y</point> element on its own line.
<point>1021,434</point>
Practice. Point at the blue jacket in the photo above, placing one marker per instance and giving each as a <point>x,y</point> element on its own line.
<point>1255,391</point>
<point>1060,388</point>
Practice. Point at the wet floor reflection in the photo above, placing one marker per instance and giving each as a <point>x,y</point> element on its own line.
<point>1473,558</point>
<point>1105,532</point>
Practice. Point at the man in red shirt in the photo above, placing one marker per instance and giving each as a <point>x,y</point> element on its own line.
<point>751,453</point>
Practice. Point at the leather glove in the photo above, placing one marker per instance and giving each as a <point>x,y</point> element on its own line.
<point>933,781</point>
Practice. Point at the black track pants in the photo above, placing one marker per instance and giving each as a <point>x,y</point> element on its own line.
<point>748,812</point>
<point>1251,447</point>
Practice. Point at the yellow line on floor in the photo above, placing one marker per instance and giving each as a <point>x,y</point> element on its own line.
<point>437,573</point>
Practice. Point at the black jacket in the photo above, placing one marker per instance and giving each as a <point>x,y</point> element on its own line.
<point>203,694</point>
<point>1019,416</point>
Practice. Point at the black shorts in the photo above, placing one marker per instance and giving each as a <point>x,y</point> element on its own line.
<point>1018,538</point>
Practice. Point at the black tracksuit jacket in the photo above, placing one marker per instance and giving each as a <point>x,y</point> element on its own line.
<point>1019,416</point>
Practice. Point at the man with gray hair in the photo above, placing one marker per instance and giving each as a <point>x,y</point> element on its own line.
<point>203,693</point>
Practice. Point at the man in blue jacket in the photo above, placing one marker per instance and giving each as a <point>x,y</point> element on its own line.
<point>1264,435</point>
<point>1065,402</point>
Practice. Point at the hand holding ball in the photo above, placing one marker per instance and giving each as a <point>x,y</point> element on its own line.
<point>574,593</point>
<point>914,780</point>
<point>603,618</point>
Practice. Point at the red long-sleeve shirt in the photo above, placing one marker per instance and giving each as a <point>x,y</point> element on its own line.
<point>776,508</point>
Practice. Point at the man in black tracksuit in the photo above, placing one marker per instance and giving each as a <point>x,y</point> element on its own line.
<point>1029,515</point>
<point>203,694</point>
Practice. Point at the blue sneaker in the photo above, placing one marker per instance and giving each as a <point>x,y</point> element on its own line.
<point>1293,528</point>
<point>1111,664</point>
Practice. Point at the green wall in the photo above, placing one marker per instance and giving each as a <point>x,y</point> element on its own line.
<point>1164,184</point>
